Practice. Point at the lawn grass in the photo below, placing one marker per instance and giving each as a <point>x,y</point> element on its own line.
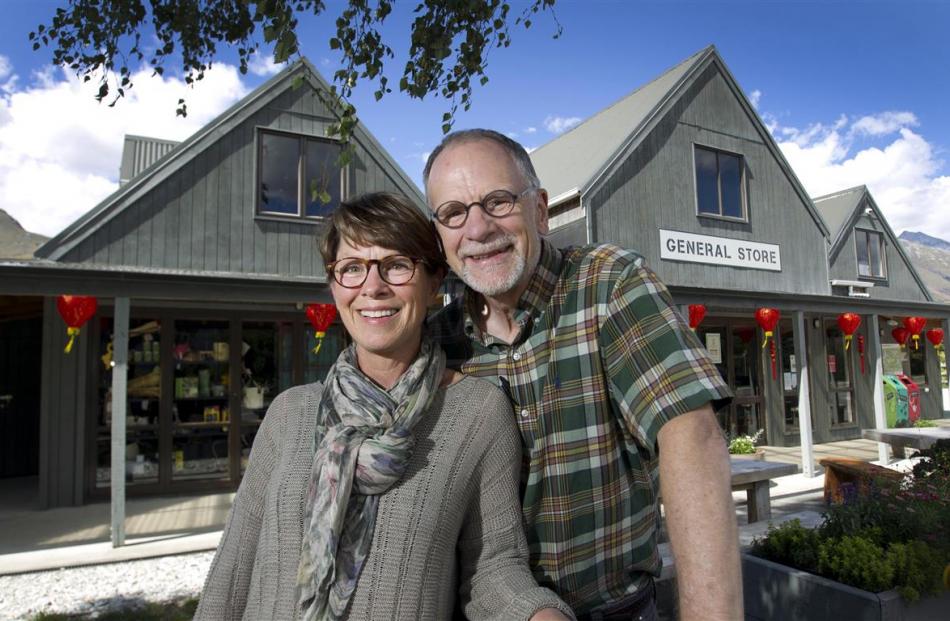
<point>173,611</point>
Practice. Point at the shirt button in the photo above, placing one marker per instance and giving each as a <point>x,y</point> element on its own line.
<point>516,356</point>
<point>524,413</point>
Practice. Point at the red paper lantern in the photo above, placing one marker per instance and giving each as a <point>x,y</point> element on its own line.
<point>915,325</point>
<point>935,336</point>
<point>767,318</point>
<point>848,322</point>
<point>900,335</point>
<point>696,314</point>
<point>75,310</point>
<point>320,316</point>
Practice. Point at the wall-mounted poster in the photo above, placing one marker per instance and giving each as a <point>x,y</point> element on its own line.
<point>714,346</point>
<point>893,358</point>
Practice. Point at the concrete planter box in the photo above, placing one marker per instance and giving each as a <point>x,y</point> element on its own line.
<point>776,592</point>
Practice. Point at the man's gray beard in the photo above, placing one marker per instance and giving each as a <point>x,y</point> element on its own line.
<point>492,284</point>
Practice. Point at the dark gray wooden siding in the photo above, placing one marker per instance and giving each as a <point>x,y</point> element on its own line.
<point>654,188</point>
<point>203,216</point>
<point>571,234</point>
<point>899,284</point>
<point>63,401</point>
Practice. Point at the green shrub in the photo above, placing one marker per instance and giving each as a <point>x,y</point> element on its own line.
<point>923,422</point>
<point>855,561</point>
<point>790,544</point>
<point>918,569</point>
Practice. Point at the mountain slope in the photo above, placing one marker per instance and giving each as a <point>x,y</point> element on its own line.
<point>931,259</point>
<point>15,241</point>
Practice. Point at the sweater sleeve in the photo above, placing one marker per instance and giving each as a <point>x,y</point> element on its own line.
<point>226,587</point>
<point>495,580</point>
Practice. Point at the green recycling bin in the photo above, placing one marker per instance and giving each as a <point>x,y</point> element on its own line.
<point>895,402</point>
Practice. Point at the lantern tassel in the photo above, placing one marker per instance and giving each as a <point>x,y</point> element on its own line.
<point>847,341</point>
<point>861,351</point>
<point>319,336</point>
<point>916,342</point>
<point>772,356</point>
<point>768,335</point>
<point>73,333</point>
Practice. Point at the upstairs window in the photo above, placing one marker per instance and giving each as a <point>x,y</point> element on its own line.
<point>298,176</point>
<point>720,190</point>
<point>869,246</point>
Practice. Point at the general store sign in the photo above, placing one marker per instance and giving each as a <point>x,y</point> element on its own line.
<point>678,246</point>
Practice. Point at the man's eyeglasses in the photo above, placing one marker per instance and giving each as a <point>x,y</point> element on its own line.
<point>453,214</point>
<point>351,272</point>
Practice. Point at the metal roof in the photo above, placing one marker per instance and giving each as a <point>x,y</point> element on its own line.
<point>140,152</point>
<point>836,208</point>
<point>573,159</point>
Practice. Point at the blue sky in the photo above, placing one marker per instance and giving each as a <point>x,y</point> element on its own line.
<point>854,92</point>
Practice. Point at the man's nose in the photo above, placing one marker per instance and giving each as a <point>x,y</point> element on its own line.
<point>478,224</point>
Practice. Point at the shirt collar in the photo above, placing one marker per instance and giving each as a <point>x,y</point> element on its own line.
<point>532,302</point>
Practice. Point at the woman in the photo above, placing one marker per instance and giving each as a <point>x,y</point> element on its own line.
<point>381,494</point>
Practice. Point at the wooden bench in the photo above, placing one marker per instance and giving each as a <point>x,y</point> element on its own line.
<point>754,477</point>
<point>840,471</point>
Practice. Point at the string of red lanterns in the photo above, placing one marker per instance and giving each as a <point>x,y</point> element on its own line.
<point>935,336</point>
<point>696,314</point>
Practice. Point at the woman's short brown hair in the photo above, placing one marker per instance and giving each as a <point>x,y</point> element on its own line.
<point>386,220</point>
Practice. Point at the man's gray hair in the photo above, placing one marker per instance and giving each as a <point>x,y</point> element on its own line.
<point>518,153</point>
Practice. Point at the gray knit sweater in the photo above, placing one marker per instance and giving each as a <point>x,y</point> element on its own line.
<point>451,527</point>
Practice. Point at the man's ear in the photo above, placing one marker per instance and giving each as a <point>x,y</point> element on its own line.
<point>542,211</point>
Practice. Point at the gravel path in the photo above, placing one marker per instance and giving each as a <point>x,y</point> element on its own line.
<point>99,588</point>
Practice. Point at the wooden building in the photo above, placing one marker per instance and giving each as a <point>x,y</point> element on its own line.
<point>211,244</point>
<point>684,171</point>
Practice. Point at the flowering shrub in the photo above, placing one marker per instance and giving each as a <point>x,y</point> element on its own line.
<point>744,445</point>
<point>894,536</point>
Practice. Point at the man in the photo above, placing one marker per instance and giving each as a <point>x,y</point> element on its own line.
<point>610,389</point>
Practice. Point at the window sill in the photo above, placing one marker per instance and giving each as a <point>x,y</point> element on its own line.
<point>719,218</point>
<point>875,279</point>
<point>308,220</point>
<point>844,426</point>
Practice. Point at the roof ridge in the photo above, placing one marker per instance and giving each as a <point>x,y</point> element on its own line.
<point>857,188</point>
<point>624,98</point>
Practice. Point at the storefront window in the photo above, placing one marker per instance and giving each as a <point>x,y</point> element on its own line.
<point>838,364</point>
<point>200,413</point>
<point>746,381</point>
<point>267,370</point>
<point>918,362</point>
<point>942,359</point>
<point>789,376</point>
<point>142,406</point>
<point>317,365</point>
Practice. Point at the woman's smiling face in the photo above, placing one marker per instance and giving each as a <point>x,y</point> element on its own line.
<point>384,320</point>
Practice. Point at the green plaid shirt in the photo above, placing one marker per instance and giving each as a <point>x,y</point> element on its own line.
<point>601,362</point>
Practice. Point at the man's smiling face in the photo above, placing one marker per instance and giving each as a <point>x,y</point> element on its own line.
<point>494,256</point>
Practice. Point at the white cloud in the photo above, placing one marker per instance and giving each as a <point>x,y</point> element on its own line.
<point>60,150</point>
<point>531,130</point>
<point>558,124</point>
<point>901,168</point>
<point>884,123</point>
<point>512,135</point>
<point>754,98</point>
<point>425,157</point>
<point>263,65</point>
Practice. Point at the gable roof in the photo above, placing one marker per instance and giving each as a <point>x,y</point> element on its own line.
<point>572,160</point>
<point>845,208</point>
<point>837,208</point>
<point>579,160</point>
<point>185,152</point>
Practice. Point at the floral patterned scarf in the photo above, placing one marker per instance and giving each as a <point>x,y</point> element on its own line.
<point>363,444</point>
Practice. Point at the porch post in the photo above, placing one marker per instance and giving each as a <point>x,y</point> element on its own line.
<point>880,421</point>
<point>804,397</point>
<point>120,359</point>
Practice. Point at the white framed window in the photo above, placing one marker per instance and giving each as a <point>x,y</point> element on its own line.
<point>720,184</point>
<point>297,176</point>
<point>869,248</point>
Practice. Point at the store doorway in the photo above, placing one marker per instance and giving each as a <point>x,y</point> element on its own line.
<point>733,348</point>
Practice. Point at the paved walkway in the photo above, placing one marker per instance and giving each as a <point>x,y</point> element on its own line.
<point>34,540</point>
